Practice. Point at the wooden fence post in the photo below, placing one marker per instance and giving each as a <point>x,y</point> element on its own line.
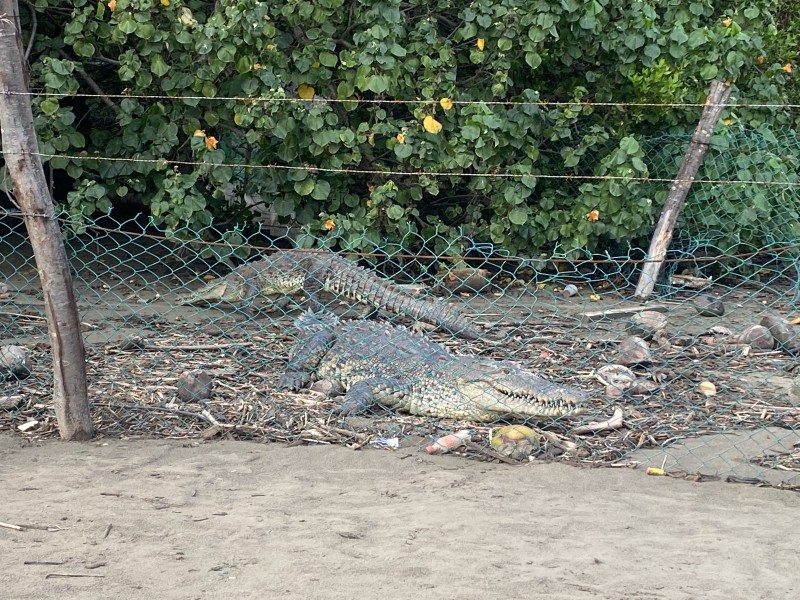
<point>70,396</point>
<point>717,98</point>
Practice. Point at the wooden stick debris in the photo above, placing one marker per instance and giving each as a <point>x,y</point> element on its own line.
<point>615,422</point>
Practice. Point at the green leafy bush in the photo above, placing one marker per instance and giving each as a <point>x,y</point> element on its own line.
<point>303,84</point>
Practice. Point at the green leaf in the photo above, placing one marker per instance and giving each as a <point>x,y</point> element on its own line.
<point>533,59</point>
<point>470,132</point>
<point>629,145</point>
<point>158,67</point>
<point>283,206</point>
<point>49,106</point>
<point>345,89</point>
<point>305,187</point>
<point>243,65</point>
<point>395,212</point>
<point>403,151</point>
<point>398,50</point>
<point>518,215</point>
<point>227,53</point>
<point>708,71</point>
<point>327,59</point>
<point>321,190</point>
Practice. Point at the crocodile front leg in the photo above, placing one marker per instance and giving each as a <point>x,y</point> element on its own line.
<point>365,393</point>
<point>304,360</point>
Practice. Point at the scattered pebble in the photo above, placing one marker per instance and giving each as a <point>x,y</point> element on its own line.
<point>634,350</point>
<point>14,362</point>
<point>757,337</point>
<point>647,323</point>
<point>618,378</point>
<point>195,385</point>
<point>708,306</point>
<point>707,388</point>
<point>781,329</point>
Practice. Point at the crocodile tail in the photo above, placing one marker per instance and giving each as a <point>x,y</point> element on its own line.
<point>362,285</point>
<point>315,321</point>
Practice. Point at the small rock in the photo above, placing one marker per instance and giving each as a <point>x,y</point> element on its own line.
<point>720,331</point>
<point>708,306</point>
<point>134,342</point>
<point>647,323</point>
<point>781,329</point>
<point>522,450</point>
<point>794,392</point>
<point>618,377</point>
<point>642,388</point>
<point>466,280</point>
<point>328,387</point>
<point>634,351</point>
<point>707,388</point>
<point>757,337</point>
<point>15,361</point>
<point>194,386</point>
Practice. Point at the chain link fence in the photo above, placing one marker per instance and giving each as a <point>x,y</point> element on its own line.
<point>697,382</point>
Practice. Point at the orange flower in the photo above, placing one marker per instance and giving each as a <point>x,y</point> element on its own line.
<point>329,224</point>
<point>760,59</point>
<point>211,143</point>
<point>787,67</point>
<point>594,215</point>
<point>112,4</point>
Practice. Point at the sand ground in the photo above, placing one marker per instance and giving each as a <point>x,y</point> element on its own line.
<point>170,519</point>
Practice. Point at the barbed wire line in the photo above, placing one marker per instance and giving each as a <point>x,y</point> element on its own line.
<point>322,100</point>
<point>381,172</point>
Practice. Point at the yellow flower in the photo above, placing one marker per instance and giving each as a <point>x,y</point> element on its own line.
<point>446,103</point>
<point>481,44</point>
<point>401,138</point>
<point>727,121</point>
<point>431,125</point>
<point>787,67</point>
<point>199,133</point>
<point>727,21</point>
<point>164,2</point>
<point>593,215</point>
<point>211,143</point>
<point>306,92</point>
<point>371,187</point>
<point>256,66</point>
<point>329,224</point>
<point>112,4</point>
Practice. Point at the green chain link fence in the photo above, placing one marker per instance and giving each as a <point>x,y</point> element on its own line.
<point>695,384</point>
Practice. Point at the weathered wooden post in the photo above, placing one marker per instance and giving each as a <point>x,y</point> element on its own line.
<point>30,190</point>
<point>717,98</point>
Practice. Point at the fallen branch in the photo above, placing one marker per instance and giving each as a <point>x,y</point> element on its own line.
<point>615,422</point>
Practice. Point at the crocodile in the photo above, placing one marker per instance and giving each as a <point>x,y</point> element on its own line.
<point>290,271</point>
<point>373,362</point>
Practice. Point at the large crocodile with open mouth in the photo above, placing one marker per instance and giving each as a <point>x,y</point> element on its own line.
<point>379,363</point>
